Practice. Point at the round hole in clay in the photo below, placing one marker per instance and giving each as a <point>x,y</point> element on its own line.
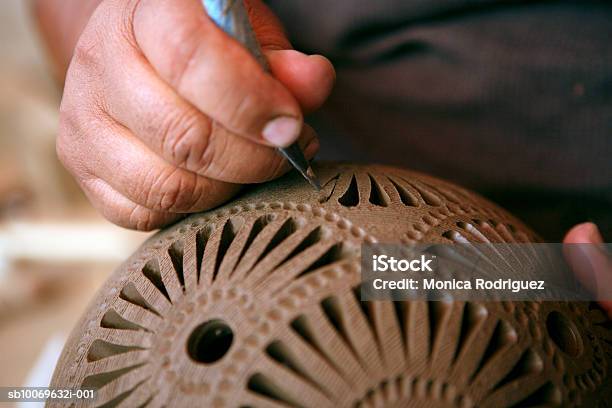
<point>564,334</point>
<point>210,341</point>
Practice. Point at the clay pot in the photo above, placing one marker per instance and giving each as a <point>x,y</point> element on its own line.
<point>256,304</point>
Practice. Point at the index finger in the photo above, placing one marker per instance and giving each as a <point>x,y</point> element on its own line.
<point>214,72</point>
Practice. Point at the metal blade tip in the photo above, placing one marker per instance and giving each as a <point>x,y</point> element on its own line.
<point>312,179</point>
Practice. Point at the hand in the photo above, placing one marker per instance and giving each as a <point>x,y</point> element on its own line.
<point>164,114</point>
<point>599,263</point>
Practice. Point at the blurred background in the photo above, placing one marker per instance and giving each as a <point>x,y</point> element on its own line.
<point>55,250</point>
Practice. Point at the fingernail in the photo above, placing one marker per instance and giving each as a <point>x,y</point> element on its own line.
<point>282,131</point>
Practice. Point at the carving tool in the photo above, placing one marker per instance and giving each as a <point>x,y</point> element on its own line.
<point>232,17</point>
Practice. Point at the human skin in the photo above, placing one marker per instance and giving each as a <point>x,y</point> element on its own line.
<point>163,114</point>
<point>598,270</point>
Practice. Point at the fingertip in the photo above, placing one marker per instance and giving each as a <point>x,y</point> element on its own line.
<point>310,78</point>
<point>323,78</point>
<point>584,233</point>
<point>325,65</point>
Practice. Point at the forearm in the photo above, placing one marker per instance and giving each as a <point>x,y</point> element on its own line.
<point>60,23</point>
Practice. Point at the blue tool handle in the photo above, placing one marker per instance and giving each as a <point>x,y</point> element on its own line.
<point>232,17</point>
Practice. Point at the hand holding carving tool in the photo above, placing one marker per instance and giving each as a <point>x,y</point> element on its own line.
<point>231,16</point>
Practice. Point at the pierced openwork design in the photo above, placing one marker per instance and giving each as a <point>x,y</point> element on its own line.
<point>256,304</point>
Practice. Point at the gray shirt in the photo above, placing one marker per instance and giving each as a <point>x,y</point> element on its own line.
<point>513,99</point>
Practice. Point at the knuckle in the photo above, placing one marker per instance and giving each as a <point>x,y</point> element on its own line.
<point>140,219</point>
<point>107,33</point>
<point>117,209</point>
<point>172,191</point>
<point>205,160</point>
<point>185,138</point>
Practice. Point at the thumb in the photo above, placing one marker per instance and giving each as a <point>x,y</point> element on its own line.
<point>309,78</point>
